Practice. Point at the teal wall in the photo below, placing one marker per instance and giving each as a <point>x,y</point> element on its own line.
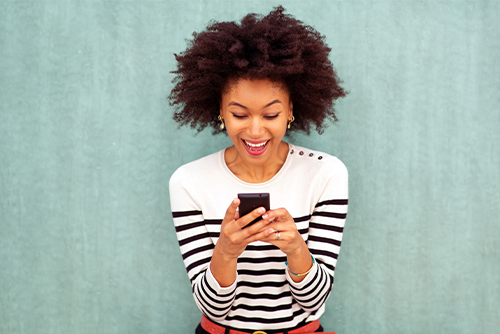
<point>87,146</point>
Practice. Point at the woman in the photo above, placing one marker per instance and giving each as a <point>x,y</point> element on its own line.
<point>255,81</point>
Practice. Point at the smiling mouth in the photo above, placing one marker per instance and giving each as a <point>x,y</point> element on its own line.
<point>255,148</point>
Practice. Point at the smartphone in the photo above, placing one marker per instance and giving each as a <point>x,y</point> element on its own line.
<point>252,201</point>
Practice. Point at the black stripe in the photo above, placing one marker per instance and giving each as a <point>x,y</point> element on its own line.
<point>329,266</point>
<point>262,308</point>
<point>263,295</point>
<point>205,282</point>
<point>304,231</point>
<point>213,221</point>
<point>332,202</point>
<point>201,297</point>
<point>261,272</point>
<point>302,219</point>
<point>327,294</point>
<point>219,221</point>
<point>217,235</point>
<point>197,250</point>
<point>324,298</point>
<point>207,309</point>
<point>214,234</point>
<point>325,240</point>
<point>330,214</point>
<point>198,263</point>
<point>262,259</point>
<point>205,293</point>
<point>317,291</point>
<point>227,297</point>
<point>214,292</point>
<point>326,253</point>
<point>326,227</point>
<point>263,284</point>
<point>188,226</point>
<point>178,214</point>
<point>305,287</point>
<point>191,239</point>
<point>192,279</point>
<point>261,247</point>
<point>321,299</point>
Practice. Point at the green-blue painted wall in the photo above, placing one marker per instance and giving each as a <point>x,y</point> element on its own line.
<point>87,146</point>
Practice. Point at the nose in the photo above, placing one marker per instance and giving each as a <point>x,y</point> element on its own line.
<point>255,128</point>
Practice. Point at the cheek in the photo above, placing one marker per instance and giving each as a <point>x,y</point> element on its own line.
<point>233,129</point>
<point>280,130</point>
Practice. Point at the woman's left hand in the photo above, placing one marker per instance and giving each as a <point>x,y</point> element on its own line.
<point>283,225</point>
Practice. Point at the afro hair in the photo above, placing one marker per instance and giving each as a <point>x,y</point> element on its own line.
<point>277,47</point>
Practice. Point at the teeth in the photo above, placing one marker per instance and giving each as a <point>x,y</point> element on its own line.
<point>255,145</point>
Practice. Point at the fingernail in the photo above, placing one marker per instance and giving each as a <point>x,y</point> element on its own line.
<point>234,200</point>
<point>264,216</point>
<point>262,210</point>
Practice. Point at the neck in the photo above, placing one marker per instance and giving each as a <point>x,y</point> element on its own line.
<point>256,173</point>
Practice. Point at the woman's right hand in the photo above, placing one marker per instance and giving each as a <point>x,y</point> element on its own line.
<point>233,240</point>
<point>233,237</point>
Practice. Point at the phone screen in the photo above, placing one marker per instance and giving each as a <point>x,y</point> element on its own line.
<point>252,201</point>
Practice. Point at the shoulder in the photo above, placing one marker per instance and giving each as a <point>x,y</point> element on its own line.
<point>184,184</point>
<point>316,161</point>
<point>194,169</point>
<point>324,174</point>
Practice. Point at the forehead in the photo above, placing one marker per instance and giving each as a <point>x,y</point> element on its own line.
<point>255,89</point>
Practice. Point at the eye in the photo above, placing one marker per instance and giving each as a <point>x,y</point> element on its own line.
<point>239,116</point>
<point>271,116</point>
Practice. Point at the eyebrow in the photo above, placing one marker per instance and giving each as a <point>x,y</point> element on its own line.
<point>242,106</point>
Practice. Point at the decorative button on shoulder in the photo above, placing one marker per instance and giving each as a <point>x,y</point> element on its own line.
<point>301,152</point>
<point>320,157</point>
<point>311,154</point>
<point>291,152</point>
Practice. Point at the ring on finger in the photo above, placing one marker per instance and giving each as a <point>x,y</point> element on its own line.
<point>277,235</point>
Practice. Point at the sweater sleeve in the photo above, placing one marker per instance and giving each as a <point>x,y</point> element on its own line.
<point>326,227</point>
<point>196,248</point>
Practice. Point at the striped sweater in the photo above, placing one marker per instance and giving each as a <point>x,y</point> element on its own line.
<point>312,186</point>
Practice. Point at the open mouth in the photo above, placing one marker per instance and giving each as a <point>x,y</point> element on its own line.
<point>255,148</point>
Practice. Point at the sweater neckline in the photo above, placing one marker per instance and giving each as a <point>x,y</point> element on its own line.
<point>291,148</point>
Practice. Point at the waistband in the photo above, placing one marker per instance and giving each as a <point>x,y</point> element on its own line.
<point>214,328</point>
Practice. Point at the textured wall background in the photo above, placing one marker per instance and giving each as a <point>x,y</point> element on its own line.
<point>87,146</point>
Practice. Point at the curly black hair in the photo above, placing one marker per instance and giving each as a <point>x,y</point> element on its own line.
<point>277,47</point>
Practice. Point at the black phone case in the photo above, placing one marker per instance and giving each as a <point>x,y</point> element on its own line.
<point>252,201</point>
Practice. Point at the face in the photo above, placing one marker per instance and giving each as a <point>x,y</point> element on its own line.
<point>256,114</point>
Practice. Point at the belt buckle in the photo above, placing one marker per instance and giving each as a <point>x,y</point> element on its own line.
<point>259,332</point>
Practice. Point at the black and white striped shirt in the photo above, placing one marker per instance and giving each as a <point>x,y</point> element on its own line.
<point>312,186</point>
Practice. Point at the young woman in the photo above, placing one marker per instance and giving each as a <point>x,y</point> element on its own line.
<point>255,81</point>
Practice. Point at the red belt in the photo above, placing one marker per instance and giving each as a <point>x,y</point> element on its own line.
<point>213,328</point>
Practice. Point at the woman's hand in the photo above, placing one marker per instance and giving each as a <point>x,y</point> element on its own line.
<point>289,241</point>
<point>233,240</point>
<point>233,237</point>
<point>281,223</point>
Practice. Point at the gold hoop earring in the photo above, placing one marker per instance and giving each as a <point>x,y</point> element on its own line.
<point>290,121</point>
<point>221,126</point>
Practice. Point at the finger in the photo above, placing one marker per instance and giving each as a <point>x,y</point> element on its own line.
<point>257,227</point>
<point>231,210</point>
<point>276,213</point>
<point>264,235</point>
<point>273,226</point>
<point>245,220</point>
